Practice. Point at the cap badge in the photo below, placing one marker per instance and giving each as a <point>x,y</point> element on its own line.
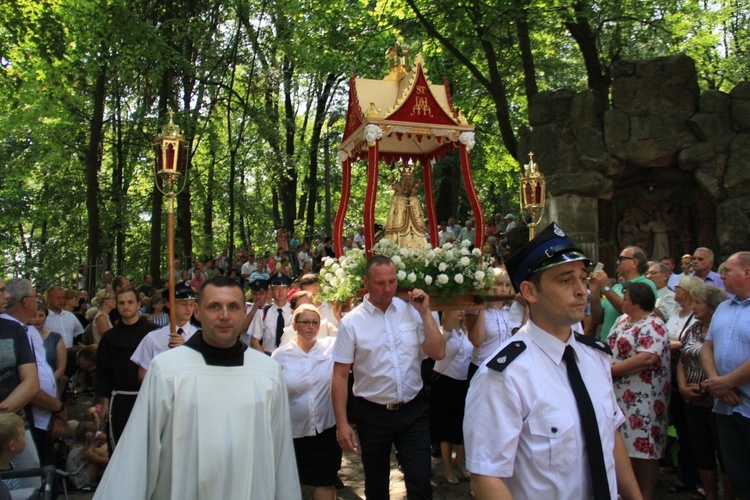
<point>558,231</point>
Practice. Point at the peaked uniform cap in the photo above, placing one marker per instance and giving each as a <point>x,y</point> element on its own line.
<point>549,248</point>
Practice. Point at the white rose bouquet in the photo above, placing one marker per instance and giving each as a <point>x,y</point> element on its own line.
<point>448,271</point>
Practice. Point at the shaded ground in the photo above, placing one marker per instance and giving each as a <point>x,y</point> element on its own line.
<point>352,476</point>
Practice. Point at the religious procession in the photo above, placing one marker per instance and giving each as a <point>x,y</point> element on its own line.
<point>549,300</point>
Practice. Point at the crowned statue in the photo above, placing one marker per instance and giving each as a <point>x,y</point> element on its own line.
<point>405,223</point>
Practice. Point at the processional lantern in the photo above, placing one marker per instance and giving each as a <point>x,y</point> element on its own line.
<point>403,117</point>
<point>533,194</point>
<point>171,153</point>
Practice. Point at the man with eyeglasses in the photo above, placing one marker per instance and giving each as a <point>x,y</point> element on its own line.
<point>666,306</point>
<point>47,416</point>
<point>631,266</point>
<point>18,379</point>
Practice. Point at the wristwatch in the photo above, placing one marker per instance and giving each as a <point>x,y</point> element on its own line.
<point>606,289</point>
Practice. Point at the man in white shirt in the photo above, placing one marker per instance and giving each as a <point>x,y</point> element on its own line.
<point>311,283</point>
<point>46,408</point>
<point>541,415</point>
<point>211,420</point>
<point>248,267</point>
<point>469,232</point>
<point>303,256</point>
<point>453,227</point>
<point>665,304</point>
<point>359,238</point>
<point>59,320</point>
<point>162,339</point>
<point>383,341</point>
<point>266,330</point>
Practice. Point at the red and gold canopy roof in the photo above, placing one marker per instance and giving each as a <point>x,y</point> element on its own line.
<point>416,118</point>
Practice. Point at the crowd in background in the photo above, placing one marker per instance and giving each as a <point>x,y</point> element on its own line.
<point>655,318</point>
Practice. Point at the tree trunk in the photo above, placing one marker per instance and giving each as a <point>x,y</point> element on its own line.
<point>312,177</point>
<point>527,56</point>
<point>157,200</point>
<point>288,184</point>
<point>208,207</point>
<point>580,30</point>
<point>93,162</point>
<point>118,192</point>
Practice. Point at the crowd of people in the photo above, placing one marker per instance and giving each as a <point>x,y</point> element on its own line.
<point>270,385</point>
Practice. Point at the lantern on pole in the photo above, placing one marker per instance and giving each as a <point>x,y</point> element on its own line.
<point>533,194</point>
<point>171,163</point>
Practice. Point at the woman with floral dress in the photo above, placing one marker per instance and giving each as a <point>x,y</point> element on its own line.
<point>640,373</point>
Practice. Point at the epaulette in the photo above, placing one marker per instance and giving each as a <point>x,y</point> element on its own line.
<point>506,356</point>
<point>596,344</point>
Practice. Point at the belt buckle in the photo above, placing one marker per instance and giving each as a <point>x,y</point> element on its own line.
<point>394,406</point>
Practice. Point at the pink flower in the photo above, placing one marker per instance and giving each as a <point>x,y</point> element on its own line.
<point>659,407</point>
<point>623,347</point>
<point>655,432</point>
<point>646,376</point>
<point>635,421</point>
<point>645,342</point>
<point>641,444</point>
<point>629,397</point>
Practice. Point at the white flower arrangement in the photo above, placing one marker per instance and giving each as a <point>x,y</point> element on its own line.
<point>449,270</point>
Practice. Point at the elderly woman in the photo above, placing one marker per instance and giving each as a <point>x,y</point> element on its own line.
<point>492,326</point>
<point>307,364</point>
<point>679,324</point>
<point>677,327</point>
<point>701,421</point>
<point>640,372</point>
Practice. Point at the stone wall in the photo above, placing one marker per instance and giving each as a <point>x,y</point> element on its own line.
<point>663,150</point>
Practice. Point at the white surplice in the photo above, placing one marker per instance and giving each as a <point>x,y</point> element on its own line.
<point>206,432</point>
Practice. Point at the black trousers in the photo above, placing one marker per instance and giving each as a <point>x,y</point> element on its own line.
<point>409,429</point>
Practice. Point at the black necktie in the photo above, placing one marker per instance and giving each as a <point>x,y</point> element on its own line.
<point>279,327</point>
<point>590,427</point>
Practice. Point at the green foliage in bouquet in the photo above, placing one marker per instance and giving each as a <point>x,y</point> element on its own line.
<point>449,270</point>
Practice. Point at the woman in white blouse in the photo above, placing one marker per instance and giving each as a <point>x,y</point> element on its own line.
<point>494,325</point>
<point>449,392</point>
<point>307,364</point>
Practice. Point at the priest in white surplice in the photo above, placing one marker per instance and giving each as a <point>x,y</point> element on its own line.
<point>211,419</point>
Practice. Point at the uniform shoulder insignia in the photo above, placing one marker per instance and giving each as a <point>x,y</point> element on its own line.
<point>596,344</point>
<point>505,357</point>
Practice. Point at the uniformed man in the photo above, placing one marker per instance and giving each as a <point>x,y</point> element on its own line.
<point>266,330</point>
<point>541,415</point>
<point>162,339</point>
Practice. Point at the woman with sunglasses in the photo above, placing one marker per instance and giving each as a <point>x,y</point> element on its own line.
<point>307,364</point>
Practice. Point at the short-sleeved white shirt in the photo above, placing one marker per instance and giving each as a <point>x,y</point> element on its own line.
<point>499,323</point>
<point>537,444</point>
<point>156,342</point>
<point>308,380</point>
<point>65,323</point>
<point>265,328</point>
<point>385,350</point>
<point>458,349</point>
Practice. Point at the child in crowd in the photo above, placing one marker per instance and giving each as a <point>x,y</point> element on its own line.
<point>12,442</point>
<point>93,414</point>
<point>86,459</point>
